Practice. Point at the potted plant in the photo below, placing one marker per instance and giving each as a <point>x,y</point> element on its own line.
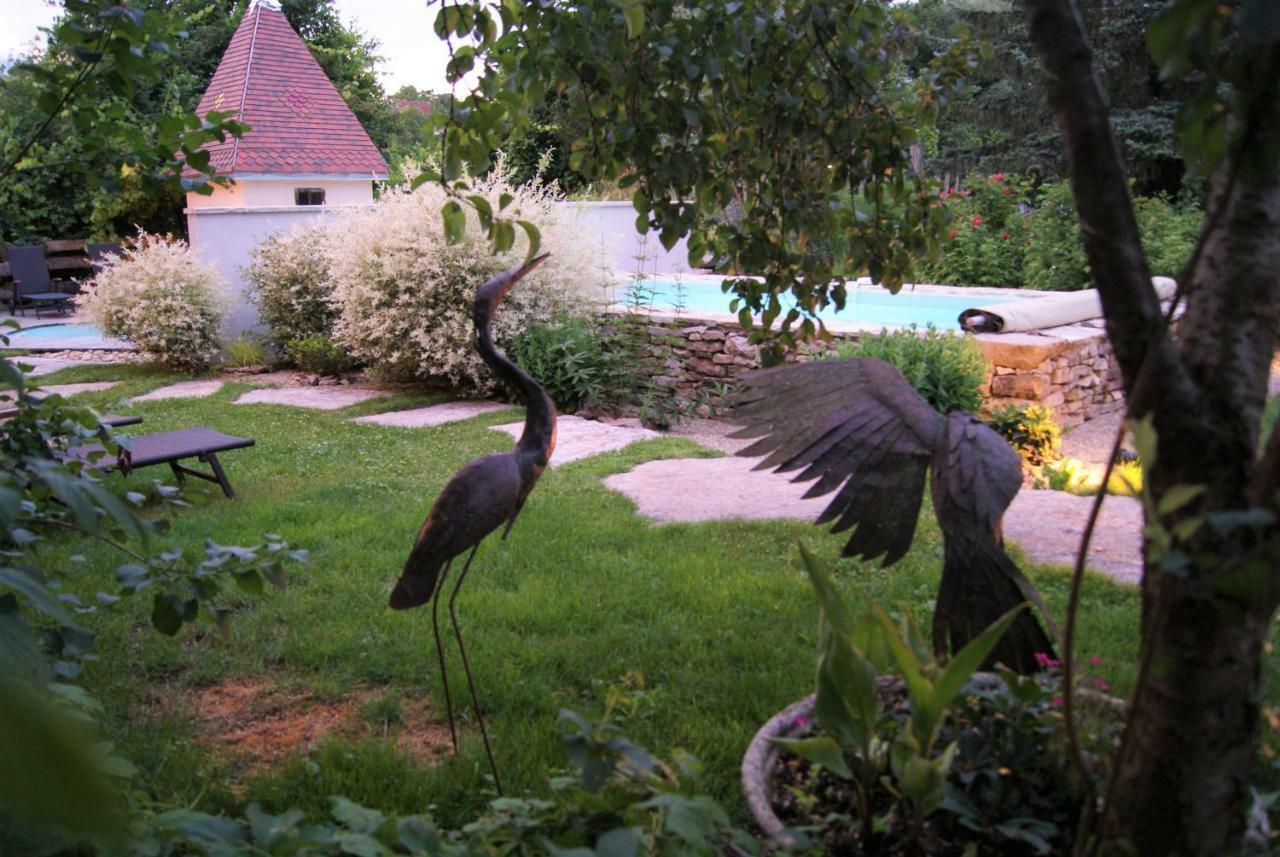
<point>898,753</point>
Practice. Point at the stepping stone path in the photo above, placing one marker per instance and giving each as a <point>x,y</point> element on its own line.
<point>181,390</point>
<point>72,389</point>
<point>47,365</point>
<point>432,415</point>
<point>1045,524</point>
<point>319,398</point>
<point>577,438</point>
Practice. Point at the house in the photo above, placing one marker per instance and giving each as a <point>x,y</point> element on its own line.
<point>304,156</point>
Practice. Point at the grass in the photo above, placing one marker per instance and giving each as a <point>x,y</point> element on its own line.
<point>715,622</point>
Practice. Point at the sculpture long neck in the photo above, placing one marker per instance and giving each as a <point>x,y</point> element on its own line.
<point>540,415</point>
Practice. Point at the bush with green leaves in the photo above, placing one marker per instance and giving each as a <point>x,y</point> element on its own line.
<point>72,792</point>
<point>405,292</point>
<point>245,352</point>
<point>1030,429</point>
<point>987,236</point>
<point>947,369</point>
<point>318,354</point>
<point>578,361</point>
<point>164,299</point>
<point>288,275</point>
<point>1169,230</point>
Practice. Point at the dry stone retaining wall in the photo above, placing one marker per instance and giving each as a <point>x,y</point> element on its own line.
<point>1070,370</point>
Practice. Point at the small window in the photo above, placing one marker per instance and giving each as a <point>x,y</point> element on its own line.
<point>308,195</point>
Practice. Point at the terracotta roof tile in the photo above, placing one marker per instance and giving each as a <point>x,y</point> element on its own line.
<point>299,123</point>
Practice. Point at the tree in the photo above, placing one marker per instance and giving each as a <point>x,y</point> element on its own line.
<point>42,203</point>
<point>783,112</point>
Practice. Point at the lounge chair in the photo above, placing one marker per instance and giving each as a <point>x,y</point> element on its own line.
<point>172,448</point>
<point>98,254</point>
<point>31,283</point>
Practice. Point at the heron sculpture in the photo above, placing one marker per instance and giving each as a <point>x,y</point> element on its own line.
<point>481,497</point>
<point>859,425</point>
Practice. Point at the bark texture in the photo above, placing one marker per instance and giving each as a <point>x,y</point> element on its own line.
<point>1183,776</point>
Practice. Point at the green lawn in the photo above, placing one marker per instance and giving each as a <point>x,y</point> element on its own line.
<point>716,620</point>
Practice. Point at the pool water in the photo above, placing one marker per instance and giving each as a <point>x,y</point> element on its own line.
<point>56,337</point>
<point>870,305</point>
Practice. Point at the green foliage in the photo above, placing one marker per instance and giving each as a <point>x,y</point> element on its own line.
<point>244,352</point>
<point>988,233</point>
<point>947,369</point>
<point>903,772</point>
<point>1030,429</point>
<point>288,276</point>
<point>317,354</point>
<point>580,362</point>
<point>620,800</point>
<point>1055,259</point>
<point>72,788</point>
<point>699,131</point>
<point>1169,231</point>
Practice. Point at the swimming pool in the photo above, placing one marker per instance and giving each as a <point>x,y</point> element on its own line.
<point>867,304</point>
<point>65,337</point>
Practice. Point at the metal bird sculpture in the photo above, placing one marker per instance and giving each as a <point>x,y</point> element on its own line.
<point>486,494</point>
<point>859,425</point>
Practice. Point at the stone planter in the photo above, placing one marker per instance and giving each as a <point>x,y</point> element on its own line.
<point>762,755</point>
<point>757,764</point>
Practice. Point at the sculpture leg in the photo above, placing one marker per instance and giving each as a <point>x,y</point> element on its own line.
<point>444,675</point>
<point>475,701</point>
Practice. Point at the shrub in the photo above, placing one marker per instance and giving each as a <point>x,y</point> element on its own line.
<point>1054,255</point>
<point>164,299</point>
<point>1030,429</point>
<point>988,234</point>
<point>289,281</point>
<point>405,294</point>
<point>1169,231</point>
<point>580,363</point>
<point>947,369</point>
<point>245,352</point>
<point>317,354</point>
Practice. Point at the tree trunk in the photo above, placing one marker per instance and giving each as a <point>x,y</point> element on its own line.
<point>1183,776</point>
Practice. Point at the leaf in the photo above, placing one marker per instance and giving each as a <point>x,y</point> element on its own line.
<point>632,16</point>
<point>620,842</point>
<point>960,668</point>
<point>166,613</point>
<point>455,221</point>
<point>1178,496</point>
<point>534,236</point>
<point>36,593</point>
<point>821,750</point>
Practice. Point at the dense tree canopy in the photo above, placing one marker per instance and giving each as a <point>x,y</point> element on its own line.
<point>44,199</point>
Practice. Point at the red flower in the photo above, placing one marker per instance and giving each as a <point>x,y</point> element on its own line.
<point>977,220</point>
<point>1004,234</point>
<point>952,234</point>
<point>1006,190</point>
<point>998,177</point>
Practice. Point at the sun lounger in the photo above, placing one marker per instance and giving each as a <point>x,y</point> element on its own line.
<point>172,448</point>
<point>98,253</point>
<point>31,284</point>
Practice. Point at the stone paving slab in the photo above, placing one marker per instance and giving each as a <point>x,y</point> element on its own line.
<point>432,415</point>
<point>577,438</point>
<point>46,365</point>
<point>1045,524</point>
<point>181,390</point>
<point>319,398</point>
<point>72,389</point>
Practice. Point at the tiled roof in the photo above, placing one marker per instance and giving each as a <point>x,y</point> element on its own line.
<point>298,121</point>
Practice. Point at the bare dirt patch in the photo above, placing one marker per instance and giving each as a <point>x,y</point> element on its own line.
<point>262,723</point>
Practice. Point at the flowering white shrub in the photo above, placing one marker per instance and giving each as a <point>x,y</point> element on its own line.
<point>163,298</point>
<point>289,282</point>
<point>405,294</point>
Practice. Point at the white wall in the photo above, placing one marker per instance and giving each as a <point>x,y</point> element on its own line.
<point>225,237</point>
<point>278,192</point>
<point>613,226</point>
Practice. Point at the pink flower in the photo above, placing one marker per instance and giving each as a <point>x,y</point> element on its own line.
<point>800,722</point>
<point>998,177</point>
<point>952,234</point>
<point>1094,660</point>
<point>1044,661</point>
<point>1056,702</point>
<point>1099,684</point>
<point>977,220</point>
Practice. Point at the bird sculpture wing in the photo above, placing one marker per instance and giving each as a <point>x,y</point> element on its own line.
<point>975,477</point>
<point>857,425</point>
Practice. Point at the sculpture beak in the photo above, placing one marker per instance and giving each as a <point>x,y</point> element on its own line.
<point>496,289</point>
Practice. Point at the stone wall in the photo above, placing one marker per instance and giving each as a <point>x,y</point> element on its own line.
<point>1070,370</point>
